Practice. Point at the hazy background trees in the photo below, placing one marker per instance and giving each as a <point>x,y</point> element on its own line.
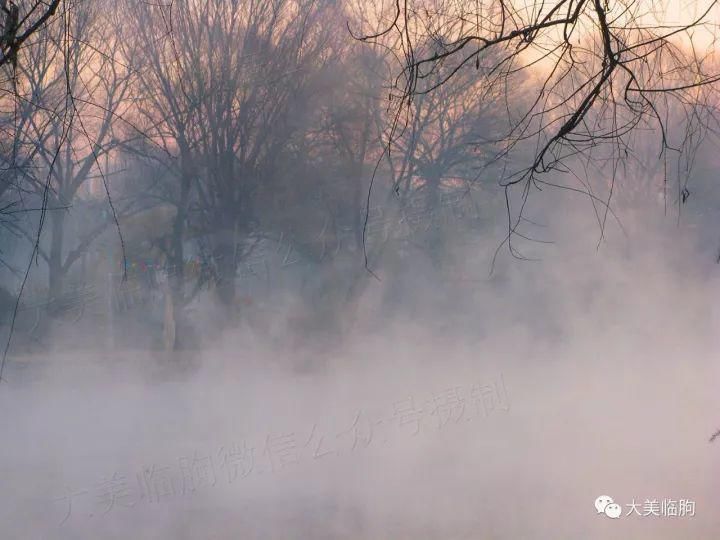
<point>223,153</point>
<point>69,95</point>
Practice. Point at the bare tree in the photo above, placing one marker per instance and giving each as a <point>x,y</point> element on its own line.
<point>224,88</point>
<point>68,98</point>
<point>605,71</point>
<point>444,150</point>
<point>18,22</point>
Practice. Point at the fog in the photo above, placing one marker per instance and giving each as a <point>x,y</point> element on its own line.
<point>601,375</point>
<point>327,269</point>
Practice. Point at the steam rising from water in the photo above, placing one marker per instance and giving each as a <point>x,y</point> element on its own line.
<point>609,362</point>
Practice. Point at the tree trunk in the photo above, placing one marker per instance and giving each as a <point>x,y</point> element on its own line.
<point>55,262</point>
<point>226,257</point>
<point>434,232</point>
<point>168,317</point>
<point>176,273</point>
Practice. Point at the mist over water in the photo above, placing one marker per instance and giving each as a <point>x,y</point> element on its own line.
<point>487,407</point>
<point>256,280</point>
